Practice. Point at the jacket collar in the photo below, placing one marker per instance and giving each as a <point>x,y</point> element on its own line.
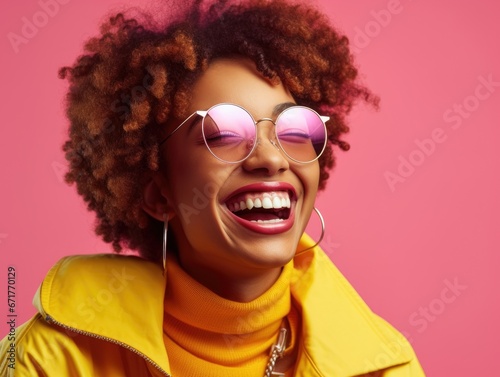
<point>341,335</point>
<point>103,296</point>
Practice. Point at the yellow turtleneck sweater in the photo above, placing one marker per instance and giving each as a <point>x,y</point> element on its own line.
<point>207,335</point>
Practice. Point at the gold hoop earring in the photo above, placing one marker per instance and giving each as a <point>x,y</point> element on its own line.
<point>165,234</point>
<point>322,221</point>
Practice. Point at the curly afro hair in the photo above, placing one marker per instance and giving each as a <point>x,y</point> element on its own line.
<point>135,76</point>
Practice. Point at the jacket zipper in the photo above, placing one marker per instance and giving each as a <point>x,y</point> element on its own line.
<point>126,346</point>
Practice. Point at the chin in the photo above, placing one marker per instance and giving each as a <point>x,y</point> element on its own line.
<point>267,250</point>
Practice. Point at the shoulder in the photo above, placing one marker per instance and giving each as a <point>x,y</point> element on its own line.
<point>73,279</point>
<point>98,263</point>
<point>85,302</point>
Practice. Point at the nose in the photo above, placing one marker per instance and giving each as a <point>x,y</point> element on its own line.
<point>267,156</point>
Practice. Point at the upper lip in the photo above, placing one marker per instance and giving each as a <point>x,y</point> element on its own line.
<point>264,187</point>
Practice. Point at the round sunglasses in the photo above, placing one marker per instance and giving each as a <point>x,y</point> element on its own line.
<point>230,132</point>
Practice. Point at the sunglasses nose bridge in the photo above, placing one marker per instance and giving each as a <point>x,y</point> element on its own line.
<point>265,120</point>
<point>258,138</point>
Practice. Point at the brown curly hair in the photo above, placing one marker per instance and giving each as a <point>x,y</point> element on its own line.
<point>135,76</point>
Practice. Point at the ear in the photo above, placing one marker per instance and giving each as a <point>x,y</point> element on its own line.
<point>155,201</point>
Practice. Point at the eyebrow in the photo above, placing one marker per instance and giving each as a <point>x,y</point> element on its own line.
<point>282,107</point>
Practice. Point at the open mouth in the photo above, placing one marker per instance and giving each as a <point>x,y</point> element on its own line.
<point>261,207</point>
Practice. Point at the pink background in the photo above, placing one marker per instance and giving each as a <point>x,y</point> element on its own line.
<point>401,244</point>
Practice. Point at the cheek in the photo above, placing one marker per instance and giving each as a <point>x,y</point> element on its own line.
<point>184,183</point>
<point>179,175</point>
<point>309,175</point>
<point>193,181</point>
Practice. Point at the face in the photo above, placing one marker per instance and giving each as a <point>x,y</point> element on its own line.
<point>206,195</point>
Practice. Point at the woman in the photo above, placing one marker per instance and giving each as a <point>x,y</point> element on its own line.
<point>202,143</point>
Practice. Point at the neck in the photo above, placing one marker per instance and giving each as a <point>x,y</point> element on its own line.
<point>240,285</point>
<point>206,334</point>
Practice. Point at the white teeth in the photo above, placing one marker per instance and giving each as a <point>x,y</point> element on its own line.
<point>267,203</point>
<point>272,221</point>
<point>267,200</point>
<point>249,203</point>
<point>277,202</point>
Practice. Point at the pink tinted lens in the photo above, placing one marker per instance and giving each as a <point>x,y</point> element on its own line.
<point>229,132</point>
<point>301,133</point>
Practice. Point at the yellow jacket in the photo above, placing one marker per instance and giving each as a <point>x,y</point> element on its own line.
<point>102,315</point>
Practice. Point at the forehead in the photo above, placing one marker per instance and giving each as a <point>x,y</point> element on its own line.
<point>237,81</point>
